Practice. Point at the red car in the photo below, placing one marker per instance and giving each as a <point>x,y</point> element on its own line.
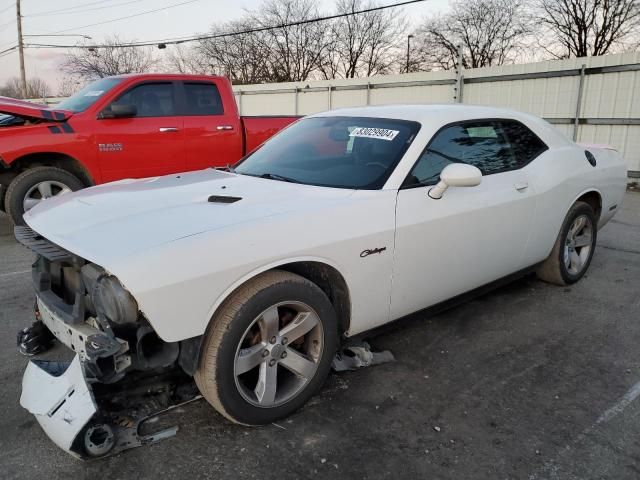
<point>128,126</point>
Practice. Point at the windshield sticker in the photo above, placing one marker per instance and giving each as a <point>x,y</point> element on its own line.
<point>94,93</point>
<point>379,133</point>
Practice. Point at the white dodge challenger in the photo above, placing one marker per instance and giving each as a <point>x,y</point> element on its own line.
<point>247,278</point>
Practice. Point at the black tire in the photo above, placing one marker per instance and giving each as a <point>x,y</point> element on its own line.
<point>216,376</point>
<point>554,269</point>
<point>23,183</point>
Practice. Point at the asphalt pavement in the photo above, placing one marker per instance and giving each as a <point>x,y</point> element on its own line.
<point>531,381</point>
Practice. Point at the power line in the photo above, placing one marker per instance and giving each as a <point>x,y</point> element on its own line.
<point>6,54</point>
<point>8,49</point>
<point>65,11</point>
<point>180,40</point>
<point>127,17</point>
<point>11,5</point>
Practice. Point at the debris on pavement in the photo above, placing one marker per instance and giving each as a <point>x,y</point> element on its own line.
<point>355,355</point>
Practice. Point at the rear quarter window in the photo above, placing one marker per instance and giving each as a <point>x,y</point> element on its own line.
<point>525,144</point>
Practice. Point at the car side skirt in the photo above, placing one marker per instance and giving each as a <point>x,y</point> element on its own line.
<point>454,301</point>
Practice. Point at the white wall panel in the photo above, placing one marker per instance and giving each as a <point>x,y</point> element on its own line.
<point>612,95</point>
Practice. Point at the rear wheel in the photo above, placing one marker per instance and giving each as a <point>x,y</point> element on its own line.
<point>268,349</point>
<point>574,247</point>
<point>37,184</point>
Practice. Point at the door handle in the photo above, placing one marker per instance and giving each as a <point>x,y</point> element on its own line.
<point>167,129</point>
<point>224,127</point>
<point>520,186</point>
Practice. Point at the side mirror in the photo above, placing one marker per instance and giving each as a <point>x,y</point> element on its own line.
<point>456,175</point>
<point>119,111</point>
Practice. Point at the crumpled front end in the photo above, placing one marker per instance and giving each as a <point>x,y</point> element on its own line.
<point>58,395</point>
<point>122,372</point>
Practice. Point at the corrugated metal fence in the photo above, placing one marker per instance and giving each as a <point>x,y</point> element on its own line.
<point>592,100</point>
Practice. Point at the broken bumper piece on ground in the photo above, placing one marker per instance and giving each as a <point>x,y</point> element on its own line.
<point>357,354</point>
<point>60,397</point>
<point>61,400</point>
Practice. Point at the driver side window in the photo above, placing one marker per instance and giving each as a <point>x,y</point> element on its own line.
<point>150,100</point>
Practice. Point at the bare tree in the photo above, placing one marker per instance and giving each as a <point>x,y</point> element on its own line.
<point>36,88</point>
<point>69,85</point>
<point>182,59</point>
<point>111,59</point>
<point>243,57</point>
<point>364,44</point>
<point>263,46</point>
<point>489,32</point>
<point>579,28</point>
<point>294,52</point>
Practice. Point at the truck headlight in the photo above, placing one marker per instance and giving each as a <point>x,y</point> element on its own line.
<point>114,302</point>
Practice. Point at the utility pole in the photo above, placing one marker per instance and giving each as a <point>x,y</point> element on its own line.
<point>23,75</point>
<point>409,37</point>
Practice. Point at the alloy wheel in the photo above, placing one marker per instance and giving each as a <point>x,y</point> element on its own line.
<point>43,190</point>
<point>578,245</point>
<point>278,354</point>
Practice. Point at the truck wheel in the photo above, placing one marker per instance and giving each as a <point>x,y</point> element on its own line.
<point>573,250</point>
<point>37,184</point>
<point>268,348</point>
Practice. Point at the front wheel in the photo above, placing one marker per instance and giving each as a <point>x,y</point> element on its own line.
<point>574,247</point>
<point>268,349</point>
<point>35,185</point>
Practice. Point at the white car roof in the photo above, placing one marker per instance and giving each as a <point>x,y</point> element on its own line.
<point>444,114</point>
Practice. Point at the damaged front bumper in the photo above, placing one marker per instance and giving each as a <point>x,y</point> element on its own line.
<point>58,395</point>
<point>89,424</point>
<point>122,374</point>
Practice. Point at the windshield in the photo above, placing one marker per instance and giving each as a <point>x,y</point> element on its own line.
<point>88,95</point>
<point>341,152</point>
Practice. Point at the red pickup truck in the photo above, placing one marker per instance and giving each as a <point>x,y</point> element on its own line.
<point>129,126</point>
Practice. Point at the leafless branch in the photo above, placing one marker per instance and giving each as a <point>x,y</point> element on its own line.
<point>579,28</point>
<point>112,59</point>
<point>36,88</point>
<point>489,32</point>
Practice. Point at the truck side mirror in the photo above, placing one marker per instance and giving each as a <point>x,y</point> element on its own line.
<point>119,111</point>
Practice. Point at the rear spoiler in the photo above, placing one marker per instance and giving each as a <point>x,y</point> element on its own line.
<point>601,146</point>
<point>22,108</point>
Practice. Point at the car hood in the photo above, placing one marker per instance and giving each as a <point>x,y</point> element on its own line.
<point>116,220</point>
<point>22,108</point>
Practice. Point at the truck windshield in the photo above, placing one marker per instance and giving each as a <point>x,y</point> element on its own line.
<point>340,152</point>
<point>88,95</point>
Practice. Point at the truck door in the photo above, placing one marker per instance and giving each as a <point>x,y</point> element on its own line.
<point>140,134</point>
<point>213,132</point>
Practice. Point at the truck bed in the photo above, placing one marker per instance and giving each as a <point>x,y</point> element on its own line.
<point>258,129</point>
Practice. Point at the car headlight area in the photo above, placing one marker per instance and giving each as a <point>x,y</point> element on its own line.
<point>110,298</point>
<point>90,311</point>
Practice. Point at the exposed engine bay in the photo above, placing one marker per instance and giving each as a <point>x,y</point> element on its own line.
<point>89,311</point>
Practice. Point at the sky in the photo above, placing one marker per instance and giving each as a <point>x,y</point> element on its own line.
<point>42,17</point>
